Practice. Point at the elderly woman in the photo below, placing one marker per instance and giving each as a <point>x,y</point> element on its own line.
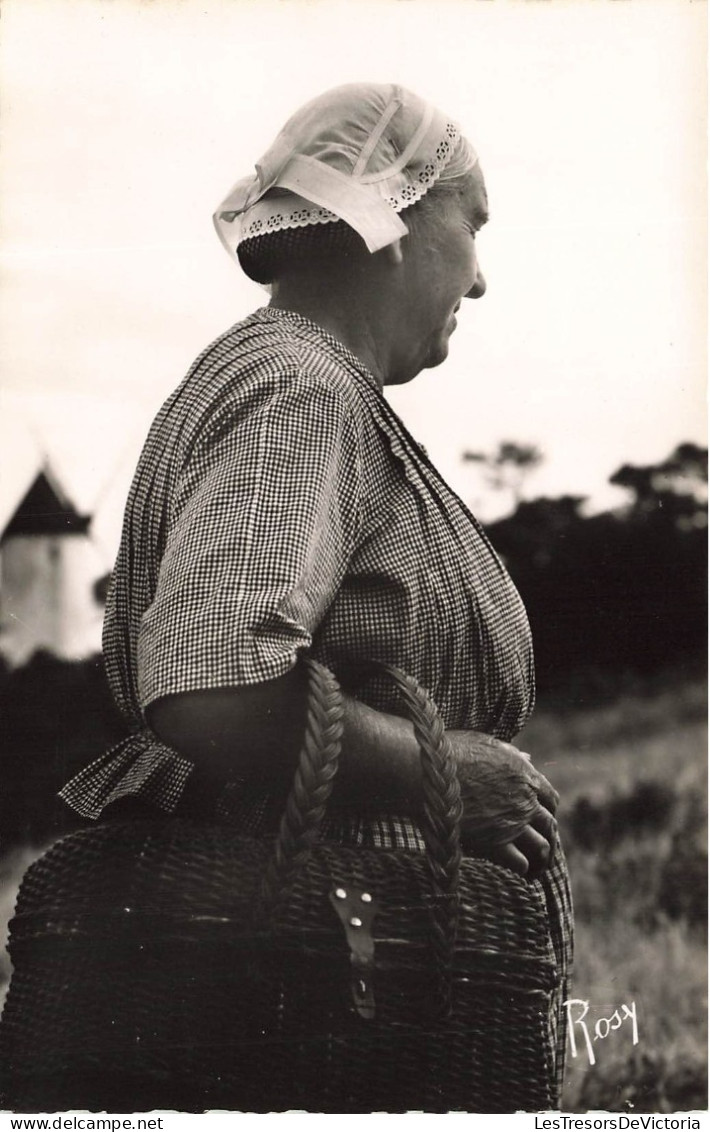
<point>280,508</point>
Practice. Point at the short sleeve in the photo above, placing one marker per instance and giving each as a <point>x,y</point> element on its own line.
<point>264,521</point>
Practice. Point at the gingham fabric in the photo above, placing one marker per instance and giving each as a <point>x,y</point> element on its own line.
<point>280,505</point>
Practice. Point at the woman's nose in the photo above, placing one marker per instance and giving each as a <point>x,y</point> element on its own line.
<point>479,287</point>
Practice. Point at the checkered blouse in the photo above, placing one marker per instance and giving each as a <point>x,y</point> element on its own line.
<point>280,505</point>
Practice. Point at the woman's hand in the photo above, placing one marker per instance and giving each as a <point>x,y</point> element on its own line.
<point>508,806</point>
<point>256,730</point>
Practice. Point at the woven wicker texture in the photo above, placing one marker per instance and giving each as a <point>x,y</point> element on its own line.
<point>155,967</point>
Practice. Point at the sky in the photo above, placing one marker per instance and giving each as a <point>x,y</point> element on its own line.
<point>125,122</point>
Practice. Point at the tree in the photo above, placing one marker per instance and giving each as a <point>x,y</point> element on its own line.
<point>620,592</point>
<point>673,492</point>
<point>508,466</point>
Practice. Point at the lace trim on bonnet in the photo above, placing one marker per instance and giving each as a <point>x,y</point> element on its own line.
<point>361,153</point>
<point>297,212</point>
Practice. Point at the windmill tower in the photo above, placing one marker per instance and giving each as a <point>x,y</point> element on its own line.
<point>47,571</point>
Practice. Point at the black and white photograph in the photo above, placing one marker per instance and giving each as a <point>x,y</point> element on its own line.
<point>353,560</point>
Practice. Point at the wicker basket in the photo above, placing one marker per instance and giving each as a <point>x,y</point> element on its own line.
<point>170,964</point>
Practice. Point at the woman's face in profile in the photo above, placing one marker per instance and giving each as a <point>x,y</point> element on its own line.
<point>441,268</point>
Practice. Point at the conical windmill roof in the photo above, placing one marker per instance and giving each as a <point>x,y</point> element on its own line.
<point>87,448</point>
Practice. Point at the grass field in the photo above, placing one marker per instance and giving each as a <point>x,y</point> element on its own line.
<point>632,776</point>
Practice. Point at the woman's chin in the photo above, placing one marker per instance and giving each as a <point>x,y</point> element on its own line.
<point>438,352</point>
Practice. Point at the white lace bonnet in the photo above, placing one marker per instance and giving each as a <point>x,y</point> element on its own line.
<point>360,153</point>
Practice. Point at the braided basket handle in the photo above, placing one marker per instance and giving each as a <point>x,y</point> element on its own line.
<point>442,796</point>
<point>313,784</point>
<point>441,828</point>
